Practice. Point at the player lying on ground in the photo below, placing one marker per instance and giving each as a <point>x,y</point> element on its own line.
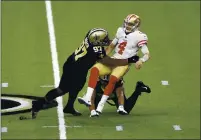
<point>76,67</point>
<point>127,42</point>
<point>117,96</point>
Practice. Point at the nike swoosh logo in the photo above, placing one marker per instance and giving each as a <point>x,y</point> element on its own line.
<point>145,88</point>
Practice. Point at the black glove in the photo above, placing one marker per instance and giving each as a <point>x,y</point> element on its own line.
<point>133,59</point>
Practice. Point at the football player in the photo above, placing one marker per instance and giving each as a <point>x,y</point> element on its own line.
<point>76,67</point>
<point>117,96</point>
<point>127,42</point>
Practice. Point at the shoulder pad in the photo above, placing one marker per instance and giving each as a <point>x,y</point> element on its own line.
<point>120,32</point>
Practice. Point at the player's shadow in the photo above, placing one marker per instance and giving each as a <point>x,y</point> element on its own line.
<point>136,114</point>
<point>149,114</point>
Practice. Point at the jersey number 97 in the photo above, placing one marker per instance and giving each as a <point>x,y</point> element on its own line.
<point>81,51</point>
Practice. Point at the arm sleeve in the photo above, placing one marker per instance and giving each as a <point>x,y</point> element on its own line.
<point>145,51</point>
<point>115,41</point>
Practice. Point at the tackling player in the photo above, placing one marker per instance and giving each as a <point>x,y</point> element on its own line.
<point>117,96</point>
<point>76,67</point>
<point>127,42</point>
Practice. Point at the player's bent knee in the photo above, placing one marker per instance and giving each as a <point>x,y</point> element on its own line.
<point>60,92</point>
<point>113,79</point>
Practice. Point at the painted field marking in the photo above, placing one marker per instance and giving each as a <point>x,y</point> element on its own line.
<point>44,86</point>
<point>55,64</point>
<point>165,83</point>
<point>4,84</point>
<point>74,126</point>
<point>4,129</point>
<point>119,128</point>
<point>177,127</point>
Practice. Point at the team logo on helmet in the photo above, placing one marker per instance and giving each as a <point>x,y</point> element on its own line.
<point>99,37</point>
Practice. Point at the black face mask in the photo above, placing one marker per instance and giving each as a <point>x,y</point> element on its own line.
<point>106,41</point>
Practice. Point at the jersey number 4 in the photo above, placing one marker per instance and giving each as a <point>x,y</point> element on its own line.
<point>80,52</point>
<point>122,47</point>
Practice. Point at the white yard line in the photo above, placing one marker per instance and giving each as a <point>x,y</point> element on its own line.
<point>74,126</point>
<point>52,38</point>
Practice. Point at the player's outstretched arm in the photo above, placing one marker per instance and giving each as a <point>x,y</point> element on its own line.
<point>110,48</point>
<point>118,62</point>
<point>146,54</point>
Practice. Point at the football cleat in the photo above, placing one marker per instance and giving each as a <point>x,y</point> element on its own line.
<point>141,87</point>
<point>35,109</point>
<point>121,110</point>
<point>72,111</point>
<point>84,100</point>
<point>94,113</point>
<point>33,114</point>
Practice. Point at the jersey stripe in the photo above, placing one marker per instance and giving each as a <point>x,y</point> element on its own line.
<point>131,16</point>
<point>142,42</point>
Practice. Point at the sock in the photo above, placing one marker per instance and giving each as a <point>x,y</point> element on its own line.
<point>131,101</point>
<point>121,106</point>
<point>89,93</point>
<point>93,78</point>
<point>110,87</point>
<point>104,99</point>
<point>102,103</point>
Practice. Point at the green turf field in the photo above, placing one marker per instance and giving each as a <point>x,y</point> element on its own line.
<point>173,29</point>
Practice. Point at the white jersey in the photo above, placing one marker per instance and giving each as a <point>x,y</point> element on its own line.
<point>128,45</point>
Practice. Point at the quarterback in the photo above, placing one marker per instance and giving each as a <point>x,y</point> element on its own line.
<point>129,39</point>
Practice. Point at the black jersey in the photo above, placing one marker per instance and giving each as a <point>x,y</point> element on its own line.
<point>87,55</point>
<point>76,67</point>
